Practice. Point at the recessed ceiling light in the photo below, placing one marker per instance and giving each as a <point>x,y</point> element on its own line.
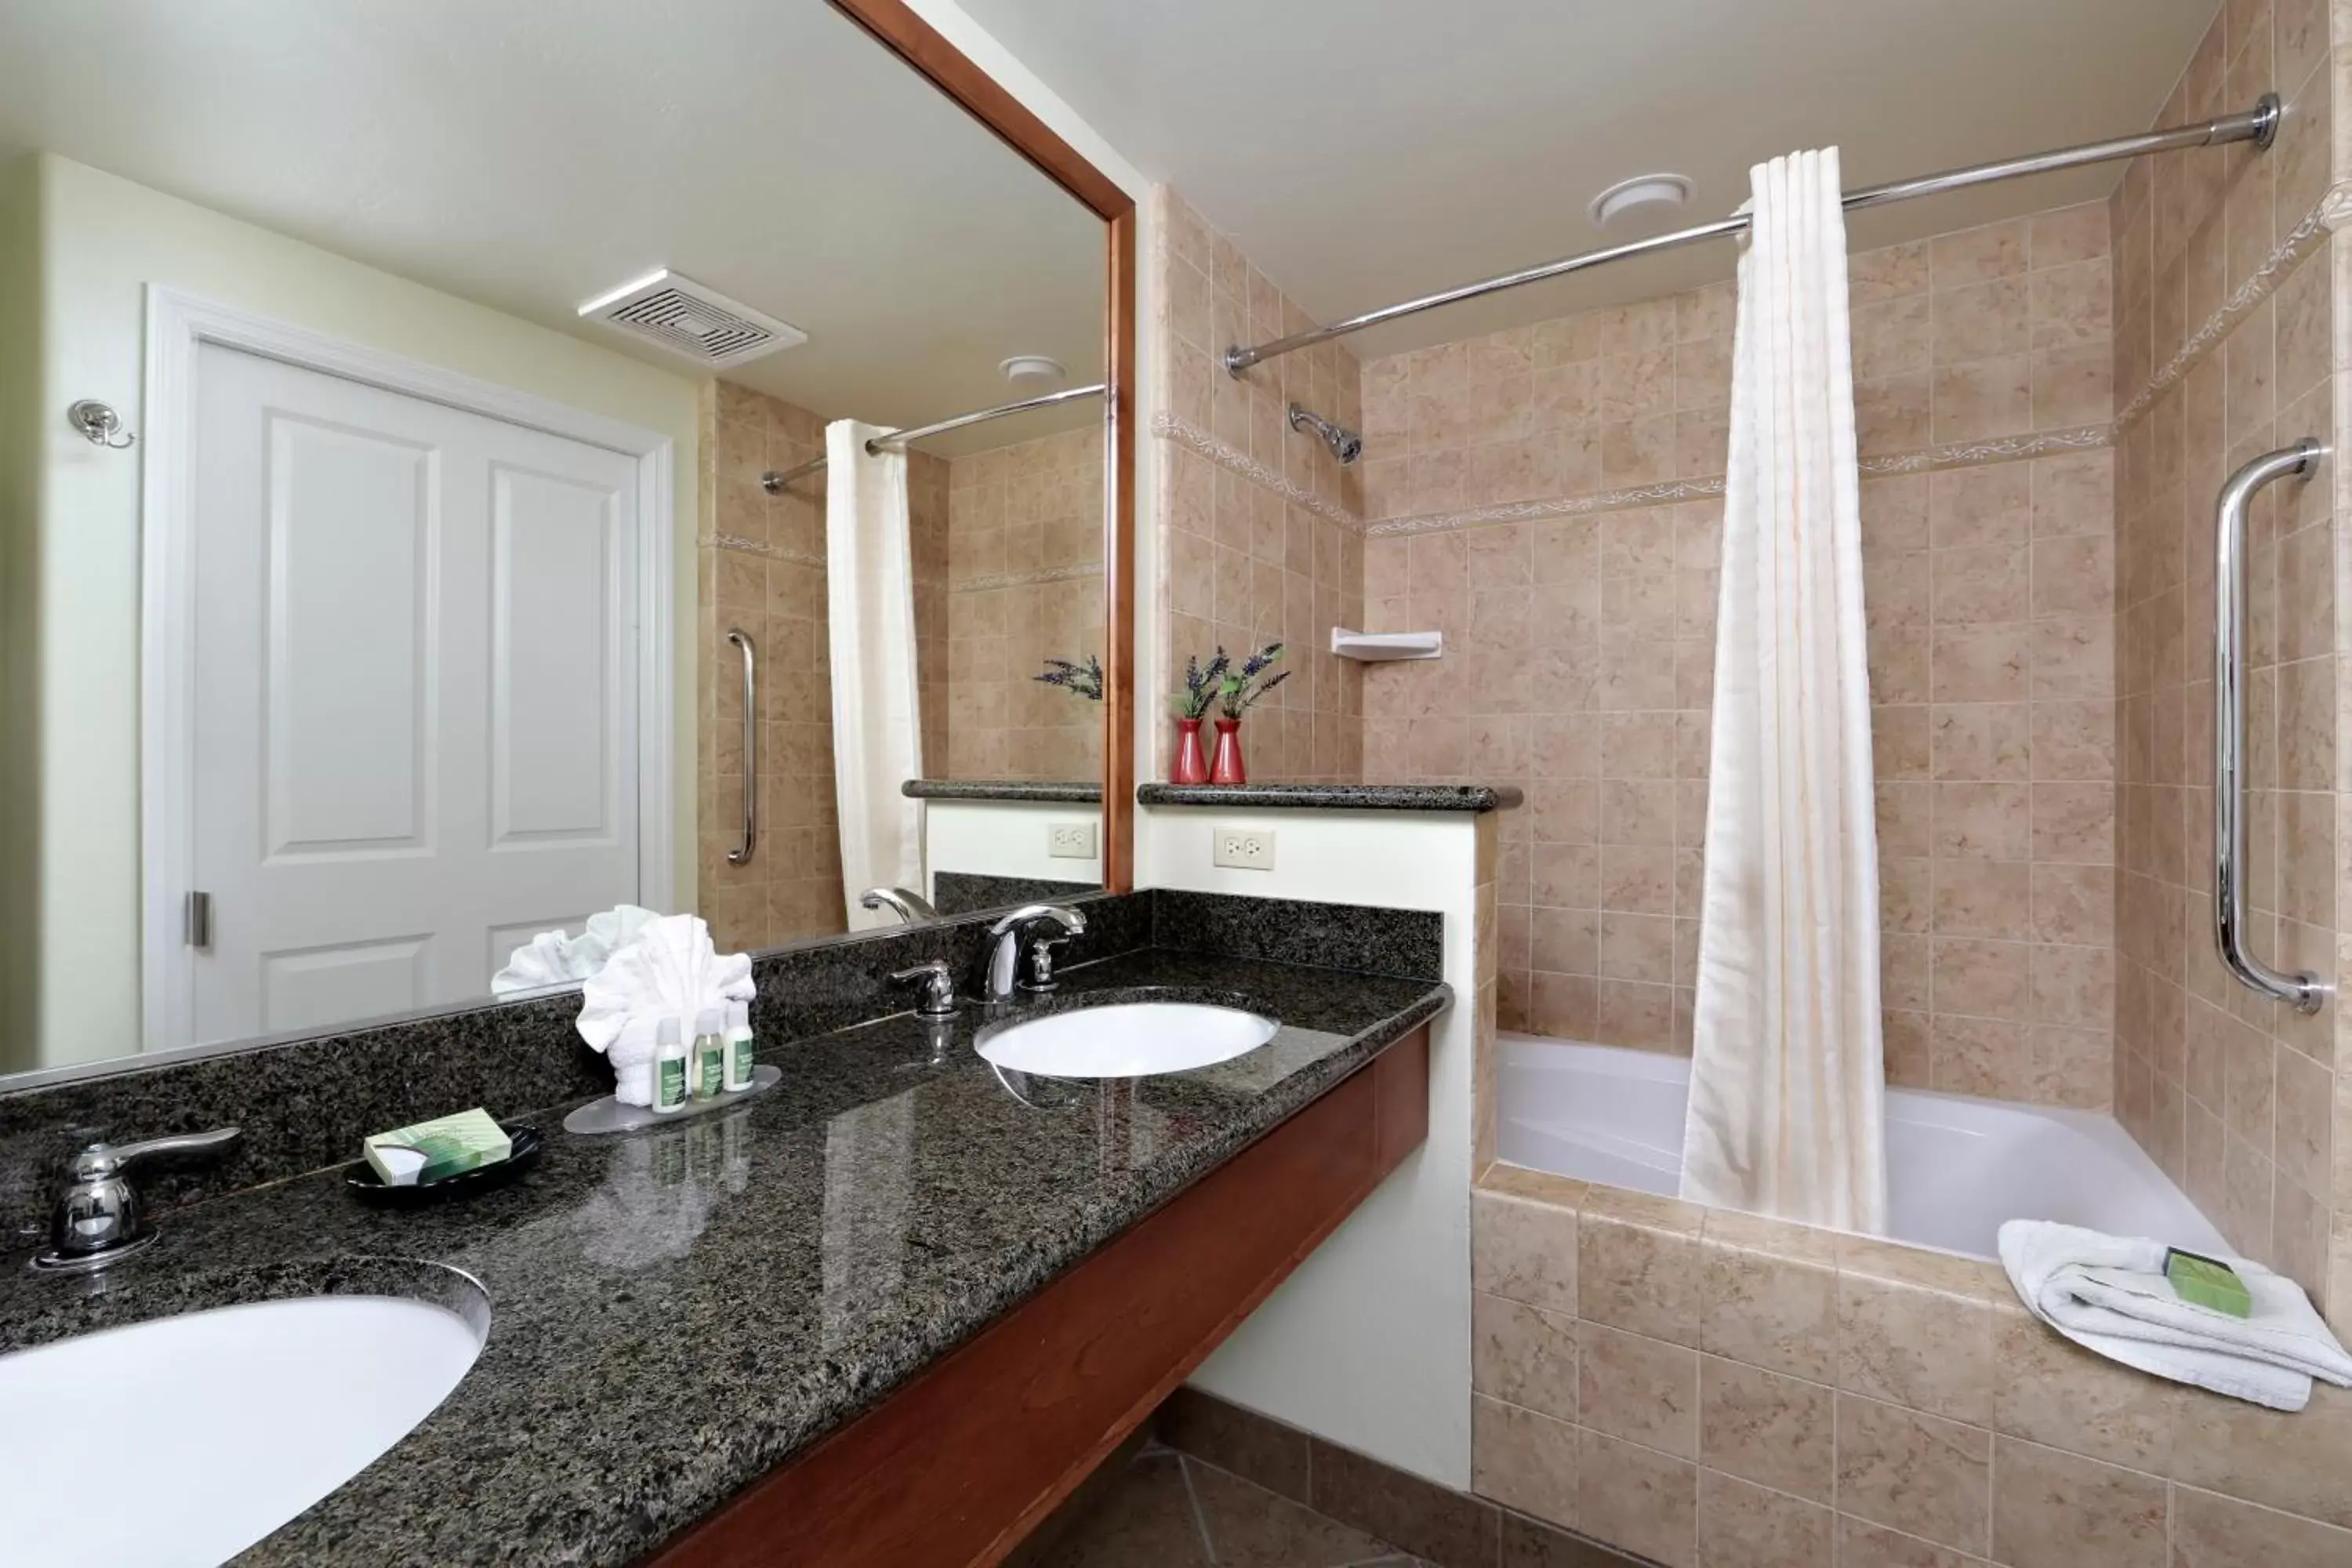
<point>1644,200</point>
<point>1034,372</point>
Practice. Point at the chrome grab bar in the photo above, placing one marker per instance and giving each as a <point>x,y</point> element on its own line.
<point>743,854</point>
<point>2304,990</point>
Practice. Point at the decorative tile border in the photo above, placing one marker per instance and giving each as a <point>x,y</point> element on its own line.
<point>1994,449</point>
<point>1022,579</point>
<point>2334,212</point>
<point>1928,460</point>
<point>1557,506</point>
<point>758,547</point>
<point>969,585</point>
<point>1234,460</point>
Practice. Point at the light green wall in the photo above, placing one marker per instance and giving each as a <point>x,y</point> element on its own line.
<point>20,476</point>
<point>102,241</point>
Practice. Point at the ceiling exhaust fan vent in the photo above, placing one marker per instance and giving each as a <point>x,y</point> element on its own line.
<point>692,322</point>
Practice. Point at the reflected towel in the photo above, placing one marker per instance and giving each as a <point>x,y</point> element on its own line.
<point>552,959</point>
<point>2109,1294</point>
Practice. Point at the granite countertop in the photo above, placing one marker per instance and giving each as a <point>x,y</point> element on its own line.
<point>675,1313</point>
<point>1335,797</point>
<point>1088,791</point>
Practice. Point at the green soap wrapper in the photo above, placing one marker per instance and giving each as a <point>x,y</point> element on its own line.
<point>451,1146</point>
<point>2207,1282</point>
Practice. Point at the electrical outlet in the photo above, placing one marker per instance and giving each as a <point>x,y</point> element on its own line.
<point>1245,849</point>
<point>1070,840</point>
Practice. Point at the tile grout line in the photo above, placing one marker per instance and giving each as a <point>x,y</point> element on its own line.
<point>1192,1496</point>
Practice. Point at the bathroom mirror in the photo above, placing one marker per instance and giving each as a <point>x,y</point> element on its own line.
<point>448,493</point>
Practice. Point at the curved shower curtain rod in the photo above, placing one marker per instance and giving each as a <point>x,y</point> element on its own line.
<point>2258,125</point>
<point>773,481</point>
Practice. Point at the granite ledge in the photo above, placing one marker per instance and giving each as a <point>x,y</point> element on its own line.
<point>1069,790</point>
<point>1335,797</point>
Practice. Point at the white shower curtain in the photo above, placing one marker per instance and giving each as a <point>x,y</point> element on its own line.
<point>1788,1080</point>
<point>876,723</point>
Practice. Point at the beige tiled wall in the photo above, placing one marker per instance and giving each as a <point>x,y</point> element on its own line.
<point>1024,584</point>
<point>761,561</point>
<point>2227,303</point>
<point>1548,497</point>
<point>1260,530</point>
<point>927,545</point>
<point>1702,1387</point>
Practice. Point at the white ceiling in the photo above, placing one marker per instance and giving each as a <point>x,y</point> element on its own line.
<point>530,156</point>
<point>1366,152</point>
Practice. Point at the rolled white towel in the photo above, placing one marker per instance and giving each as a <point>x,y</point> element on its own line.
<point>632,1056</point>
<point>2109,1294</point>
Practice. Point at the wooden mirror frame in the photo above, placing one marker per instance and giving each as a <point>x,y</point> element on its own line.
<point>898,29</point>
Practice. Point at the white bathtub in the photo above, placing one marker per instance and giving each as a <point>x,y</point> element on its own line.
<point>1956,1167</point>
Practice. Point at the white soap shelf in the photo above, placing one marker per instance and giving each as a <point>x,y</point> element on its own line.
<point>1374,647</point>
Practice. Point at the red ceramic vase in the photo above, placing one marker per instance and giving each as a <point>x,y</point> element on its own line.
<point>1191,764</point>
<point>1227,768</point>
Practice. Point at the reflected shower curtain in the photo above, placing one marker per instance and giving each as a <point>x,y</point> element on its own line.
<point>876,720</point>
<point>1788,1080</point>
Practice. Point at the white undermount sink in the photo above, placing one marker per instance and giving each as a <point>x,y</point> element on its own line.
<point>185,1440</point>
<point>1125,1040</point>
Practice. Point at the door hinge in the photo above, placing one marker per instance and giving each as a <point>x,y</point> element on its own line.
<point>197,921</point>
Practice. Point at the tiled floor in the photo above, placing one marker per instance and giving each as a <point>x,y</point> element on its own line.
<point>1168,1510</point>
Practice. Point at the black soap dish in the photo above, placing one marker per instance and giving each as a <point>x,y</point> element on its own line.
<point>361,1182</point>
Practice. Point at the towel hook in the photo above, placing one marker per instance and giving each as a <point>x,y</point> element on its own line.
<point>100,425</point>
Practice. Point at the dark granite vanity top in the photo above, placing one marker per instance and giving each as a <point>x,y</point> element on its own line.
<point>1335,797</point>
<point>1072,790</point>
<point>675,1313</point>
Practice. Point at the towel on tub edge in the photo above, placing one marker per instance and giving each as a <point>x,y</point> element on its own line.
<point>2109,1294</point>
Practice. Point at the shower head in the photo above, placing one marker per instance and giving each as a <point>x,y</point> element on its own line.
<point>1345,445</point>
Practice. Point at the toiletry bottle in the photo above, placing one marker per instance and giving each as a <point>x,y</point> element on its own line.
<point>669,1068</point>
<point>710,1054</point>
<point>739,1045</point>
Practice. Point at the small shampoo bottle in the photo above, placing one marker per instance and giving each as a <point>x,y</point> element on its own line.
<point>710,1054</point>
<point>669,1068</point>
<point>739,1045</point>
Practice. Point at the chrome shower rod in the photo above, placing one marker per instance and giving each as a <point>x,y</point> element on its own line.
<point>2258,125</point>
<point>773,481</point>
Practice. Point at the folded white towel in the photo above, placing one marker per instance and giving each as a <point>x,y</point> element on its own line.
<point>2109,1294</point>
<point>669,971</point>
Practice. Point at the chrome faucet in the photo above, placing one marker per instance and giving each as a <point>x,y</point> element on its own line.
<point>99,1216</point>
<point>1006,948</point>
<point>912,909</point>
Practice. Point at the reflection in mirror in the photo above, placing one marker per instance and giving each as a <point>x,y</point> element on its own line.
<point>450,507</point>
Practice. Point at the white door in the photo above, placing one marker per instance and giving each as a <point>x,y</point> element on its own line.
<point>415,705</point>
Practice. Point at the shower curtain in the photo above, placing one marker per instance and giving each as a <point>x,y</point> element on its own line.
<point>876,724</point>
<point>1787,1075</point>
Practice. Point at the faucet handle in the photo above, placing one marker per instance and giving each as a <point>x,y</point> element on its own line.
<point>103,1159</point>
<point>1041,963</point>
<point>938,999</point>
<point>99,1216</point>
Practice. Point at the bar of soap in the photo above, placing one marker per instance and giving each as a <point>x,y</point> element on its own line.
<point>2207,1282</point>
<point>433,1151</point>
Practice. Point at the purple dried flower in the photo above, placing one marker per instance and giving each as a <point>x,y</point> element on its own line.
<point>1237,694</point>
<point>1085,679</point>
